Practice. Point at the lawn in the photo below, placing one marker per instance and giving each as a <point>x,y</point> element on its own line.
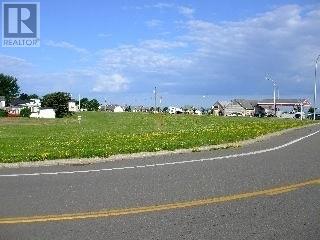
<point>103,134</point>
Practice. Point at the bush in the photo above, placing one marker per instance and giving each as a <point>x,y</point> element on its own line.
<point>3,113</point>
<point>25,112</point>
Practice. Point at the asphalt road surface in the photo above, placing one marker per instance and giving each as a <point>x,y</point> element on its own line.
<point>266,190</point>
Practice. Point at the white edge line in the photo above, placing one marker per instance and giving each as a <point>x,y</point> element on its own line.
<point>168,163</point>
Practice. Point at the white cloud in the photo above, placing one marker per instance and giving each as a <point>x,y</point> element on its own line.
<point>141,59</point>
<point>66,45</point>
<point>104,35</point>
<point>223,58</point>
<point>186,11</point>
<point>237,54</point>
<point>161,44</point>
<point>162,5</point>
<point>153,23</point>
<point>110,83</point>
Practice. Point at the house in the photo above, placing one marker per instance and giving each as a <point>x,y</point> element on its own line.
<point>18,104</point>
<point>240,107</point>
<point>218,108</point>
<point>44,113</point>
<point>175,110</point>
<point>72,106</point>
<point>2,102</point>
<point>34,104</point>
<point>118,109</point>
<point>283,104</point>
<point>112,108</point>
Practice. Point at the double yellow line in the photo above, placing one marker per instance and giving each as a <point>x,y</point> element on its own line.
<point>156,208</point>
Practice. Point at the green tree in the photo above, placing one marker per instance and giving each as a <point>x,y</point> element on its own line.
<point>58,101</point>
<point>311,110</point>
<point>25,96</point>
<point>127,109</point>
<point>8,87</point>
<point>93,105</point>
<point>25,112</point>
<point>33,96</point>
<point>84,103</point>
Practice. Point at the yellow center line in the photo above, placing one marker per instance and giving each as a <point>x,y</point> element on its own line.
<point>156,208</point>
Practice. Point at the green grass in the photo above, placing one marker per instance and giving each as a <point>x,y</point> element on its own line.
<point>104,134</point>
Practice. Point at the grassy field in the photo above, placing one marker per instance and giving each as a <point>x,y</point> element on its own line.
<point>104,134</point>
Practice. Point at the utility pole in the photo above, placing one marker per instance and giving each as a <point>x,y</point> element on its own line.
<point>268,77</point>
<point>79,104</point>
<point>315,89</point>
<point>155,99</point>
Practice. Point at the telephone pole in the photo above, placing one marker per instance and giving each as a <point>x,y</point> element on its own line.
<point>155,99</point>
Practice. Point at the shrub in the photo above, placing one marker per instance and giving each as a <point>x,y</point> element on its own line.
<point>3,113</point>
<point>25,112</point>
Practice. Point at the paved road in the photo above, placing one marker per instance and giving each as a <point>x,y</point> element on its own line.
<point>270,192</point>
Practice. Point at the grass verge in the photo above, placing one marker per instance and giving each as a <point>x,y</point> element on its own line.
<point>104,134</point>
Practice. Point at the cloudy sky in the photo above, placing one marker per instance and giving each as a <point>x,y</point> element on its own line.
<point>195,52</point>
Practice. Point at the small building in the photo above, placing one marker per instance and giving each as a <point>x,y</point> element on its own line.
<point>18,104</point>
<point>44,113</point>
<point>240,107</point>
<point>112,108</point>
<point>218,107</point>
<point>72,106</point>
<point>287,105</point>
<point>175,110</point>
<point>2,102</point>
<point>34,104</point>
<point>118,109</point>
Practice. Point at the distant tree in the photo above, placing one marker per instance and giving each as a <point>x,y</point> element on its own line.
<point>93,105</point>
<point>25,112</point>
<point>165,109</point>
<point>84,103</point>
<point>25,96</point>
<point>8,87</point>
<point>58,101</point>
<point>127,109</point>
<point>33,96</point>
<point>90,105</point>
<point>311,110</point>
<point>3,113</point>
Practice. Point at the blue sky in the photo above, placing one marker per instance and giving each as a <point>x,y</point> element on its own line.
<point>195,52</point>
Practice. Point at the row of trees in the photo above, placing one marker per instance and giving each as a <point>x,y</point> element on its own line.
<point>10,89</point>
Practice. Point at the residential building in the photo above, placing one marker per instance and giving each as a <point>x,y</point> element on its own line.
<point>218,107</point>
<point>240,107</point>
<point>72,106</point>
<point>2,102</point>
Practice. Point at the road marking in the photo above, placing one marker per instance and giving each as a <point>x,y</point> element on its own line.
<point>157,208</point>
<point>166,163</point>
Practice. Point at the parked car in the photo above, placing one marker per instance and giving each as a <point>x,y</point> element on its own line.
<point>298,115</point>
<point>234,114</point>
<point>310,116</point>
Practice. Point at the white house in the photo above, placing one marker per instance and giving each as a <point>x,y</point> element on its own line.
<point>118,109</point>
<point>44,113</point>
<point>175,110</point>
<point>2,102</point>
<point>34,105</point>
<point>72,106</point>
